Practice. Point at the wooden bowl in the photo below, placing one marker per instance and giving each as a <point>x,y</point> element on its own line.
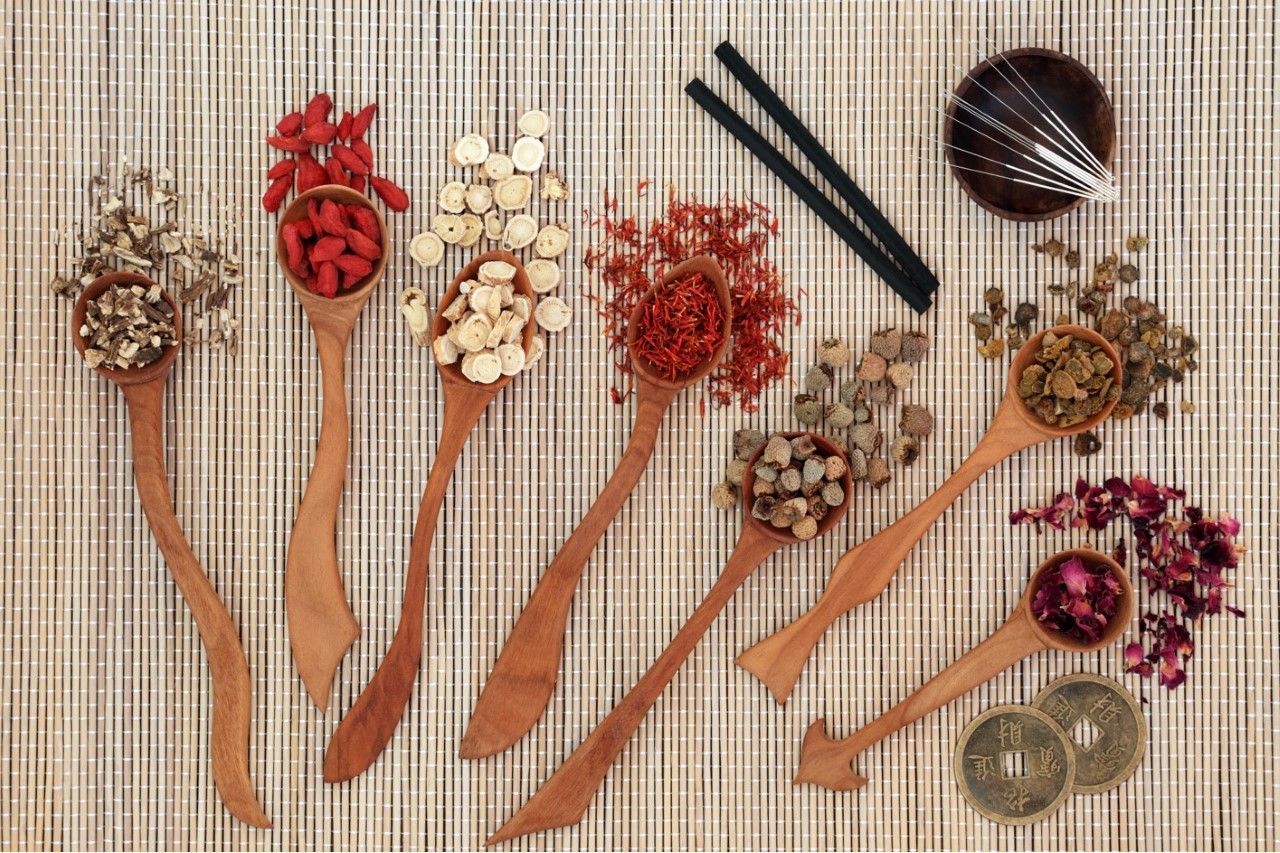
<point>126,375</point>
<point>1027,354</point>
<point>784,534</point>
<point>297,210</point>
<point>1119,622</point>
<point>1074,94</point>
<point>710,270</point>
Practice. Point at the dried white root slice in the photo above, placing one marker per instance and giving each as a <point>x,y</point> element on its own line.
<point>456,309</point>
<point>481,367</point>
<point>512,193</point>
<point>498,331</point>
<point>453,197</point>
<point>474,332</point>
<point>553,187</point>
<point>522,306</point>
<point>498,166</point>
<point>510,359</point>
<point>427,249</point>
<point>536,348</point>
<point>449,227</point>
<point>493,308</point>
<point>445,350</point>
<point>544,275</point>
<point>479,297</point>
<point>552,241</point>
<point>521,230</point>
<point>466,286</point>
<point>472,229</point>
<point>413,305</point>
<point>493,225</point>
<point>534,123</point>
<point>479,198</point>
<point>513,331</point>
<point>496,272</point>
<point>527,153</point>
<point>469,150</point>
<point>454,334</point>
<point>553,314</point>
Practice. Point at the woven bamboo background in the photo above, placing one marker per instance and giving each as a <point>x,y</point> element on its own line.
<point>104,709</point>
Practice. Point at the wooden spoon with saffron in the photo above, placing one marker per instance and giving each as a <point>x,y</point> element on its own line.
<point>828,762</point>
<point>563,799</point>
<point>524,675</point>
<point>143,389</point>
<point>321,624</point>
<point>367,728</point>
<point>865,570</point>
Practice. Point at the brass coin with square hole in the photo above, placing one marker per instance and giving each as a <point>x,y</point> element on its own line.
<point>1014,764</point>
<point>1104,724</point>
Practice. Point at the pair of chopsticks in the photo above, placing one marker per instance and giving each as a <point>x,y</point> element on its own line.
<point>904,271</point>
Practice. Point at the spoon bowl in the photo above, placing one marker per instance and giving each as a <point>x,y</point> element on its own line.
<point>710,270</point>
<point>783,535</point>
<point>297,210</point>
<point>1115,627</point>
<point>127,375</point>
<point>1026,357</point>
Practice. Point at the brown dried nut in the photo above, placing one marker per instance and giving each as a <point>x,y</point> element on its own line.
<point>1161,410</point>
<point>1127,273</point>
<point>810,489</point>
<point>802,447</point>
<point>814,469</point>
<point>915,346</point>
<point>777,451</point>
<point>865,437</point>
<point>724,495</point>
<point>1086,444</point>
<point>905,449</point>
<point>833,352</point>
<point>850,391</point>
<point>834,468</point>
<point>833,494</point>
<point>765,472</point>
<point>872,367</point>
<point>901,374</point>
<point>915,420</point>
<point>805,528</point>
<point>879,392</point>
<point>735,471</point>
<point>887,344</point>
<point>790,479</point>
<point>763,487</point>
<point>878,472</point>
<point>818,508</point>
<point>785,515</point>
<point>763,507</point>
<point>746,442</point>
<point>807,409</point>
<point>993,296</point>
<point>839,416</point>
<point>818,379</point>
<point>857,465</point>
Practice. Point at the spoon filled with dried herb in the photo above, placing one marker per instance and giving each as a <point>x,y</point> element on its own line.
<point>676,336</point>
<point>128,329</point>
<point>468,387</point>
<point>780,516</point>
<point>1064,381</point>
<point>1077,601</point>
<point>332,246</point>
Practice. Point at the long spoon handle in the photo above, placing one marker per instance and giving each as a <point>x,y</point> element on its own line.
<point>524,675</point>
<point>828,762</point>
<point>864,571</point>
<point>321,624</point>
<point>367,728</point>
<point>563,799</point>
<point>229,671</point>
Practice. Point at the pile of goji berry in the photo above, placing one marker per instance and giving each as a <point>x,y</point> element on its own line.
<point>349,162</point>
<point>334,247</point>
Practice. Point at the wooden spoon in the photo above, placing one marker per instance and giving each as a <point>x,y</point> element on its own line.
<point>828,762</point>
<point>143,389</point>
<point>321,624</point>
<point>524,675</point>
<point>563,799</point>
<point>367,728</point>
<point>864,571</point>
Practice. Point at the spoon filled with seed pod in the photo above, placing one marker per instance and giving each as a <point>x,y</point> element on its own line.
<point>483,333</point>
<point>1077,601</point>
<point>128,330</point>
<point>331,244</point>
<point>784,517</point>
<point>676,336</point>
<point>1064,381</point>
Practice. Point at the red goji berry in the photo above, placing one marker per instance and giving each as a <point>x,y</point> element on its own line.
<point>274,196</point>
<point>364,118</point>
<point>394,197</point>
<point>327,280</point>
<point>313,214</point>
<point>326,249</point>
<point>310,174</point>
<point>293,246</point>
<point>349,159</point>
<point>363,151</point>
<point>357,183</point>
<point>337,175</point>
<point>289,125</point>
<point>367,222</point>
<point>331,220</point>
<point>317,109</point>
<point>354,265</point>
<point>321,133</point>
<point>362,245</point>
<point>305,229</point>
<point>344,127</point>
<point>279,170</point>
<point>288,143</point>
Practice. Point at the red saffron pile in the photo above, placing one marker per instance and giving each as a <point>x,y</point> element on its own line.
<point>629,258</point>
<point>680,327</point>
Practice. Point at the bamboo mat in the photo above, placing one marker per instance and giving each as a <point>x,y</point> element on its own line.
<point>104,698</point>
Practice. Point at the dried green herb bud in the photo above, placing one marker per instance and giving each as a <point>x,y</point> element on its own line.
<point>1086,444</point>
<point>1128,273</point>
<point>872,367</point>
<point>766,472</point>
<point>915,420</point>
<point>814,469</point>
<point>777,451</point>
<point>1135,243</point>
<point>1053,247</point>
<point>807,409</point>
<point>905,449</point>
<point>764,507</point>
<point>805,528</point>
<point>857,464</point>
<point>901,374</point>
<point>849,391</point>
<point>833,352</point>
<point>887,344</point>
<point>790,480</point>
<point>833,494</point>
<point>834,468</point>
<point>735,471</point>
<point>915,346</point>
<point>746,442</point>
<point>878,472</point>
<point>1071,259</point>
<point>1187,407</point>
<point>724,495</point>
<point>818,379</point>
<point>802,447</point>
<point>839,416</point>
<point>865,437</point>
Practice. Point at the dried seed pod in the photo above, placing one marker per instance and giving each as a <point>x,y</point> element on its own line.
<point>790,479</point>
<point>498,166</point>
<point>872,367</point>
<point>905,449</point>
<point>469,150</point>
<point>839,416</point>
<point>833,494</point>
<point>1128,273</point>
<point>879,392</point>
<point>915,420</point>
<point>887,344</point>
<point>762,487</point>
<point>813,470</point>
<point>857,465</point>
<point>865,437</point>
<point>878,472</point>
<point>833,352</point>
<point>479,198</point>
<point>807,409</point>
<point>834,468</point>
<point>553,314</point>
<point>805,528</point>
<point>777,451</point>
<point>735,471</point>
<point>915,346</point>
<point>527,153</point>
<point>802,447</point>
<point>901,374</point>
<point>512,192</point>
<point>521,230</point>
<point>448,227</point>
<point>724,495</point>
<point>818,379</point>
<point>534,123</point>
<point>495,273</point>
<point>551,241</point>
<point>544,275</point>
<point>472,229</point>
<point>427,249</point>
<point>850,390</point>
<point>765,472</point>
<point>453,197</point>
<point>1025,315</point>
<point>746,442</point>
<point>763,507</point>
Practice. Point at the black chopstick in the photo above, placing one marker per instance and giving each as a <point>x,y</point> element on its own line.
<point>913,292</point>
<point>830,169</point>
